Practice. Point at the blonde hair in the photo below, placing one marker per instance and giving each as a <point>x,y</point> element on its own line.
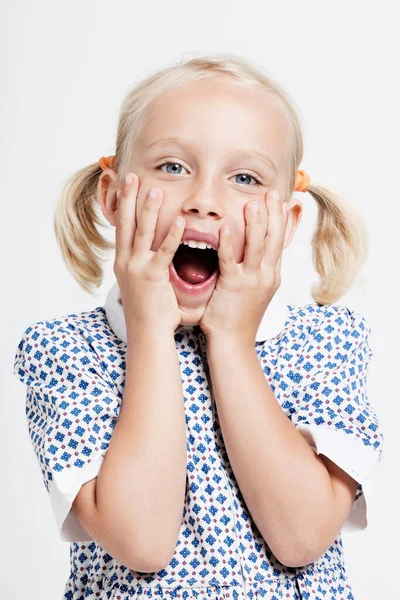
<point>339,243</point>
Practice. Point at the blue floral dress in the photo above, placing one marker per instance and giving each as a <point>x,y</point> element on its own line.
<point>315,359</point>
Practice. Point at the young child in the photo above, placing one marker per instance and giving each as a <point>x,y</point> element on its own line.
<point>198,436</point>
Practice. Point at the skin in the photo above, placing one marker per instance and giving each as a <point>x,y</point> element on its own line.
<point>217,117</point>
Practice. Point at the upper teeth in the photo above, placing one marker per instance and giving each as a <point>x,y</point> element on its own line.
<point>196,244</point>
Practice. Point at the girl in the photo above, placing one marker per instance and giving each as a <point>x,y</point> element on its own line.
<point>198,436</point>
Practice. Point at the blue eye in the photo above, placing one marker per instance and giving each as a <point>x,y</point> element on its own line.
<point>177,164</point>
<point>171,163</point>
<point>248,175</point>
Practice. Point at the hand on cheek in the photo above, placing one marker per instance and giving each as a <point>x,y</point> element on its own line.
<point>243,291</point>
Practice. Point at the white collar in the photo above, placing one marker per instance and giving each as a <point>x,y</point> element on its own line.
<point>272,322</point>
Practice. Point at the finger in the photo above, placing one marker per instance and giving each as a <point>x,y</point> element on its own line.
<point>279,264</point>
<point>147,222</point>
<point>125,217</point>
<point>276,230</point>
<point>227,260</point>
<point>278,270</point>
<point>254,248</point>
<point>165,254</point>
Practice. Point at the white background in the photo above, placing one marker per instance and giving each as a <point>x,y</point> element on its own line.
<point>66,68</point>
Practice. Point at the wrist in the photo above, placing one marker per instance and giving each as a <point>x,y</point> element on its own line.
<point>229,341</point>
<point>139,329</point>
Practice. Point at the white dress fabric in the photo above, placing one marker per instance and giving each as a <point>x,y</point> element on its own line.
<point>315,359</point>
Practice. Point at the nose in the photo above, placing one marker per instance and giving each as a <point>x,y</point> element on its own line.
<point>203,202</point>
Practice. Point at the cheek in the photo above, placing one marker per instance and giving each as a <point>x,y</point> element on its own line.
<point>145,184</point>
<point>142,198</point>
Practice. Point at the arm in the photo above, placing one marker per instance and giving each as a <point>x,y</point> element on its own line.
<point>137,500</point>
<point>298,499</point>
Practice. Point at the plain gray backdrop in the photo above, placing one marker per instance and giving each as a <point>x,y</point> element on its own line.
<point>65,70</point>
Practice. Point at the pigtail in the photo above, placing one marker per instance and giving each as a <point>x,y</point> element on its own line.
<point>75,225</point>
<point>339,245</point>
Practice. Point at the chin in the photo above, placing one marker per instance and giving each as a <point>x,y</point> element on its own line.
<point>191,316</point>
<point>192,292</point>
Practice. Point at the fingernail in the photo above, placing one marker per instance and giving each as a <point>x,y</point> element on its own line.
<point>118,194</point>
<point>255,206</point>
<point>153,193</point>
<point>275,196</point>
<point>128,178</point>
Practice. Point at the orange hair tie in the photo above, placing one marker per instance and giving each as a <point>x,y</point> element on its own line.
<point>107,162</point>
<point>302,181</point>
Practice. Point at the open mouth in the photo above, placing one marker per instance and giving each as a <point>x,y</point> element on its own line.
<point>195,265</point>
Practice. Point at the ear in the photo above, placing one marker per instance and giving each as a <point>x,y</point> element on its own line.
<point>106,191</point>
<point>292,219</point>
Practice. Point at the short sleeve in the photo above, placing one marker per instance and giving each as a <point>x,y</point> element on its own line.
<point>332,408</point>
<point>71,412</point>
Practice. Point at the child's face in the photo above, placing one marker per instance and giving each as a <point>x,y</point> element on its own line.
<point>213,124</point>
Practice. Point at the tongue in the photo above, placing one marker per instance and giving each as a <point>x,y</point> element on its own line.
<point>194,266</point>
<point>193,270</point>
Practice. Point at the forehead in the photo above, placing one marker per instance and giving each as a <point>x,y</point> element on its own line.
<point>221,113</point>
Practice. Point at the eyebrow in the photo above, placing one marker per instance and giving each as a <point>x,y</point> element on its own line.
<point>243,152</point>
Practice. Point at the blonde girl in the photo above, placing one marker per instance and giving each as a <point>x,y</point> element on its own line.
<point>198,436</point>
